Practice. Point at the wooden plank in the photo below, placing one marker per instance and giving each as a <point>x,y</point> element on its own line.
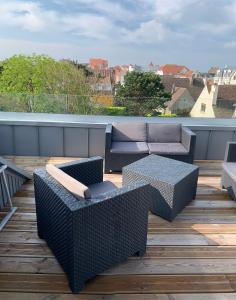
<point>153,239</point>
<point>174,266</point>
<point>136,266</point>
<point>118,284</point>
<point>190,252</point>
<point>190,228</point>
<point>213,197</point>
<point>23,216</point>
<point>212,296</point>
<point>25,250</point>
<point>44,296</point>
<point>24,226</point>
<point>209,204</point>
<point>192,239</point>
<point>20,237</point>
<point>41,250</point>
<point>37,265</point>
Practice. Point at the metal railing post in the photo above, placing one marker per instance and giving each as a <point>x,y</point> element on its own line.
<point>9,202</point>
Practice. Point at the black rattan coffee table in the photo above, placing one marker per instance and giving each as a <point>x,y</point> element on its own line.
<point>174,183</point>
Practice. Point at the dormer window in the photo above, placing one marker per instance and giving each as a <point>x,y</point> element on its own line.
<point>203,107</point>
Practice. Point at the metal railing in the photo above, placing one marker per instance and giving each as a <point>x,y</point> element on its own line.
<point>7,203</point>
<point>95,104</point>
<point>54,103</point>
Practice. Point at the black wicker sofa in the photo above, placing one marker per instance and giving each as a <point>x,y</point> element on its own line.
<point>128,142</point>
<point>87,236</point>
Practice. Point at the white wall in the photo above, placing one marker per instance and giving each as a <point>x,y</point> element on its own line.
<point>208,99</point>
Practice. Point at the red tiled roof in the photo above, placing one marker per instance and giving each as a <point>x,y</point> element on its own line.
<point>98,63</point>
<point>171,69</point>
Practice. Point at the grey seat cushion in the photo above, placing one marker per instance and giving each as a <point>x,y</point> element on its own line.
<point>167,148</point>
<point>230,169</point>
<point>129,147</point>
<point>129,132</point>
<point>101,188</point>
<point>163,133</point>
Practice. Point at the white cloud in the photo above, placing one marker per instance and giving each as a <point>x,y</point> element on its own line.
<point>213,28</point>
<point>88,25</point>
<point>166,9</point>
<point>18,46</point>
<point>230,45</point>
<point>112,9</point>
<point>26,15</point>
<point>148,32</point>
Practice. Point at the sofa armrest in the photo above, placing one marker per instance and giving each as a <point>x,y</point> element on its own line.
<point>108,139</point>
<point>87,171</point>
<point>108,133</point>
<point>188,139</point>
<point>230,152</point>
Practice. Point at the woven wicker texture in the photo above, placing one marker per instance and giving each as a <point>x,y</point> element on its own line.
<point>116,161</point>
<point>174,182</point>
<point>89,236</point>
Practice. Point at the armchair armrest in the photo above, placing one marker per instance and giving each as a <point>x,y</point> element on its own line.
<point>188,139</point>
<point>87,171</point>
<point>108,134</point>
<point>230,152</point>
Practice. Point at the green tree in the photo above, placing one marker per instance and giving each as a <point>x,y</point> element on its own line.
<point>23,74</point>
<point>44,84</point>
<point>141,93</point>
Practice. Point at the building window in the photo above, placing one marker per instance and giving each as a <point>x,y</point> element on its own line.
<point>203,107</point>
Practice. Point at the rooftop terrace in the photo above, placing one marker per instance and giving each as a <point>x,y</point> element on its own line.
<point>186,259</point>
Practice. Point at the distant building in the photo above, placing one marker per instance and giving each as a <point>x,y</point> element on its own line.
<point>225,76</point>
<point>121,71</point>
<point>175,70</point>
<point>215,101</point>
<point>152,67</point>
<point>98,64</point>
<point>135,68</point>
<point>194,86</point>
<point>105,81</point>
<point>212,71</point>
<point>181,102</point>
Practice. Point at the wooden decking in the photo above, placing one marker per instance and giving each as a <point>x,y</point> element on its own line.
<point>193,257</point>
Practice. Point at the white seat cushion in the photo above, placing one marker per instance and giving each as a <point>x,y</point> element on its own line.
<point>75,187</point>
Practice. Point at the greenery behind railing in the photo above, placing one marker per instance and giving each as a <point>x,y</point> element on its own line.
<point>48,103</point>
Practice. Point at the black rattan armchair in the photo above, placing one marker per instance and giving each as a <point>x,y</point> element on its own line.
<point>89,236</point>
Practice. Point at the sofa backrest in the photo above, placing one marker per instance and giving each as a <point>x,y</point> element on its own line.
<point>129,132</point>
<point>163,133</point>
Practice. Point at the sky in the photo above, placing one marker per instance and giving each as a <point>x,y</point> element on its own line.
<point>195,33</point>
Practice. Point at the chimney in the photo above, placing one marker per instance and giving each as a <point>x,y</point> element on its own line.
<point>214,93</point>
<point>173,89</point>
